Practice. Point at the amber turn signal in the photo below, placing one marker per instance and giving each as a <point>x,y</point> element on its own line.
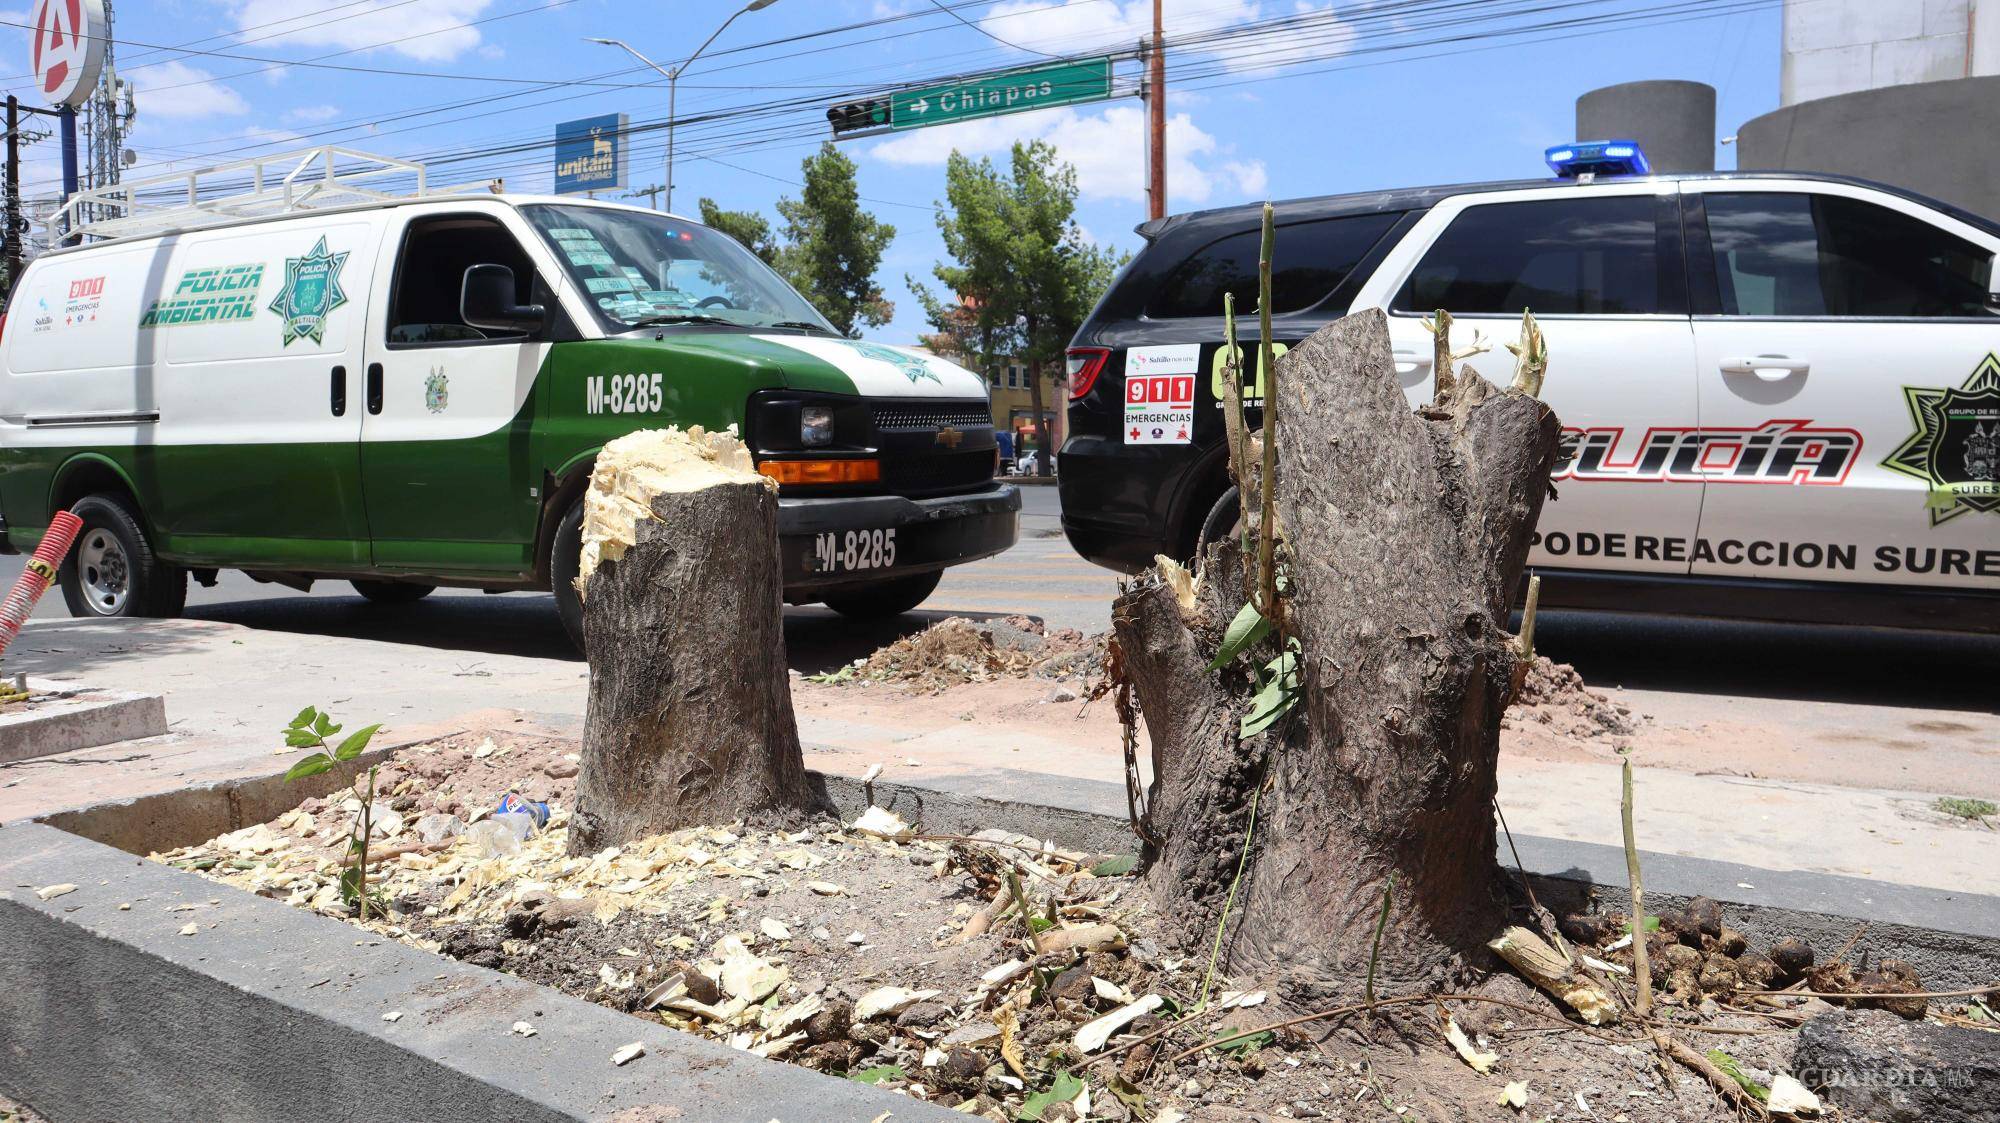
<point>811,472</point>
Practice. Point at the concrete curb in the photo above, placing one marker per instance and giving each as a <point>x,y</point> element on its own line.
<point>146,824</point>
<point>268,1012</point>
<point>78,717</point>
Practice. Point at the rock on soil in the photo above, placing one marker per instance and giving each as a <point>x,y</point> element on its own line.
<point>1875,1065</point>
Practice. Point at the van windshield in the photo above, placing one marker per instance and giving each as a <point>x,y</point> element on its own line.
<point>640,269</point>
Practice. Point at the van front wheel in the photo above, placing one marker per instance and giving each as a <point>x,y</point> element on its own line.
<point>565,560</point>
<point>393,592</point>
<point>883,599</point>
<point>112,570</point>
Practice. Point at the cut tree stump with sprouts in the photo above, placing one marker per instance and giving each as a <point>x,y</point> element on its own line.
<point>689,719</point>
<point>1405,535</point>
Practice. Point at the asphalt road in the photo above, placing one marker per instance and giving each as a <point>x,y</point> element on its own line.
<point>1042,577</point>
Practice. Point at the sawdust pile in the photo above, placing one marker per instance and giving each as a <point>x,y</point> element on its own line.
<point>958,651</point>
<point>1554,695</point>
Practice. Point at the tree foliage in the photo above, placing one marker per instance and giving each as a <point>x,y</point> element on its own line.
<point>828,247</point>
<point>1021,277</point>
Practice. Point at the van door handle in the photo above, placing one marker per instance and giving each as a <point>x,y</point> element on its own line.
<point>374,387</point>
<point>339,391</point>
<point>1410,362</point>
<point>1768,368</point>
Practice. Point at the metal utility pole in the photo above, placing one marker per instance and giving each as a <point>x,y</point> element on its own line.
<point>673,78</point>
<point>1156,117</point>
<point>13,191</point>
<point>650,194</point>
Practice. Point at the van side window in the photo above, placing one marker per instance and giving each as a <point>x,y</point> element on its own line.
<point>1310,259</point>
<point>423,308</point>
<point>1799,254</point>
<point>1587,256</point>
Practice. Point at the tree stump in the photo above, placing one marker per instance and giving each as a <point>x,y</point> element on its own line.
<point>689,718</point>
<point>1405,537</point>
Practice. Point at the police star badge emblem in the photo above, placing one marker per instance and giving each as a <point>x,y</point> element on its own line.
<point>911,367</point>
<point>1956,448</point>
<point>310,293</point>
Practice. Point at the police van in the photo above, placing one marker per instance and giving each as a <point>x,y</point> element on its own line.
<point>317,379</point>
<point>1781,390</point>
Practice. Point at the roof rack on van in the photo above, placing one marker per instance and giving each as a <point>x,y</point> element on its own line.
<point>261,186</point>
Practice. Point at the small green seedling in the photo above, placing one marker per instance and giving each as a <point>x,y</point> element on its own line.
<point>1958,807</point>
<point>312,730</point>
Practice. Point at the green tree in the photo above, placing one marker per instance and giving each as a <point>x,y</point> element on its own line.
<point>1022,276</point>
<point>833,246</point>
<point>748,227</point>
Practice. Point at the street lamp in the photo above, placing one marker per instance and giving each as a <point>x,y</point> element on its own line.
<point>673,77</point>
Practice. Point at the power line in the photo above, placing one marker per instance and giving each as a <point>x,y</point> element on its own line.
<point>975,26</point>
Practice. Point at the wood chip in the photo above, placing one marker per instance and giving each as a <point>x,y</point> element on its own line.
<point>825,888</point>
<point>522,1029</point>
<point>1093,1035</point>
<point>1481,1063</point>
<point>50,892</point>
<point>190,929</point>
<point>626,1054</point>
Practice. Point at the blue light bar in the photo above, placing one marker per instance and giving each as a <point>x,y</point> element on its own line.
<point>1597,158</point>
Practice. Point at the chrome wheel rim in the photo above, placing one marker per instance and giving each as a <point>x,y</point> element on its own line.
<point>104,572</point>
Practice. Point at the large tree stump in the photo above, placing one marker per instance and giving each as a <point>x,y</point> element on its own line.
<point>690,711</point>
<point>1405,537</point>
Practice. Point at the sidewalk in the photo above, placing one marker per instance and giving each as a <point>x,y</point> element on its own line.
<point>230,690</point>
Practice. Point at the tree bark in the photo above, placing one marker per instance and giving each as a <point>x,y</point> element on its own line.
<point>689,719</point>
<point>1405,537</point>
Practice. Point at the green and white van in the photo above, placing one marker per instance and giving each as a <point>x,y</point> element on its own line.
<point>409,392</point>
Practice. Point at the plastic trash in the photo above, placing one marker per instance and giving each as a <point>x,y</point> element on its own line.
<point>512,821</point>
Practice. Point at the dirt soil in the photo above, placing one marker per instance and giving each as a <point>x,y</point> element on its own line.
<point>900,959</point>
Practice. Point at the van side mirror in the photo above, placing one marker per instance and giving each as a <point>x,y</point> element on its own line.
<point>486,300</point>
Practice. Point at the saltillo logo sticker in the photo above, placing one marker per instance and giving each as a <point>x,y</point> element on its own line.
<point>1159,394</point>
<point>310,293</point>
<point>1956,448</point>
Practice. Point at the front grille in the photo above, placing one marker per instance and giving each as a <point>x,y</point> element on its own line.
<point>906,417</point>
<point>937,472</point>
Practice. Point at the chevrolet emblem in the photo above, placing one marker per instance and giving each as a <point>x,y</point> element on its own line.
<point>949,437</point>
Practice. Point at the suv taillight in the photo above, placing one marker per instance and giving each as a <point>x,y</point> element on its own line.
<point>1085,364</point>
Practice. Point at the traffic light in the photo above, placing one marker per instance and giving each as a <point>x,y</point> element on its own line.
<point>856,116</point>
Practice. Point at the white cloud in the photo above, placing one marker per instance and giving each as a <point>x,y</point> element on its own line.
<point>428,32</point>
<point>1107,149</point>
<point>175,89</point>
<point>312,114</point>
<point>1077,26</point>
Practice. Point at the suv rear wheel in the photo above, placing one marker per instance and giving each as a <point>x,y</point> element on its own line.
<point>1223,520</point>
<point>393,592</point>
<point>112,570</point>
<point>884,598</point>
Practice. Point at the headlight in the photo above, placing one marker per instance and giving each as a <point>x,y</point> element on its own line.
<point>816,426</point>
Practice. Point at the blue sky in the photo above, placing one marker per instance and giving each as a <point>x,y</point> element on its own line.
<point>1341,99</point>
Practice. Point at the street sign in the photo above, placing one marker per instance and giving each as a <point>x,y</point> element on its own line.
<point>1012,91</point>
<point>590,154</point>
<point>983,95</point>
<point>67,49</point>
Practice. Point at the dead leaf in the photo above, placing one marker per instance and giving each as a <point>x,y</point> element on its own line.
<point>883,1001</point>
<point>1010,1045</point>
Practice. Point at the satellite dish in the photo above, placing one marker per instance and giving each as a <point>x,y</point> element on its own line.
<point>128,158</point>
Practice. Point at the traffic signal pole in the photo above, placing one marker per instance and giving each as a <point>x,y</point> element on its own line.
<point>1156,114</point>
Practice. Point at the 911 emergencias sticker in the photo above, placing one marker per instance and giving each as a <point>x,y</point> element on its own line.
<point>1159,394</point>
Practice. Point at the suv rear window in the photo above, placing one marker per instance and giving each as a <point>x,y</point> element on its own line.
<point>1593,256</point>
<point>1309,260</point>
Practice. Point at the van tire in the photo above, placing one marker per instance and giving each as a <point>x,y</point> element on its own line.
<point>393,592</point>
<point>112,571</point>
<point>883,599</point>
<point>565,562</point>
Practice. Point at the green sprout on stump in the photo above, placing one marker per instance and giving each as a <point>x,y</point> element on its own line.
<point>311,730</point>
